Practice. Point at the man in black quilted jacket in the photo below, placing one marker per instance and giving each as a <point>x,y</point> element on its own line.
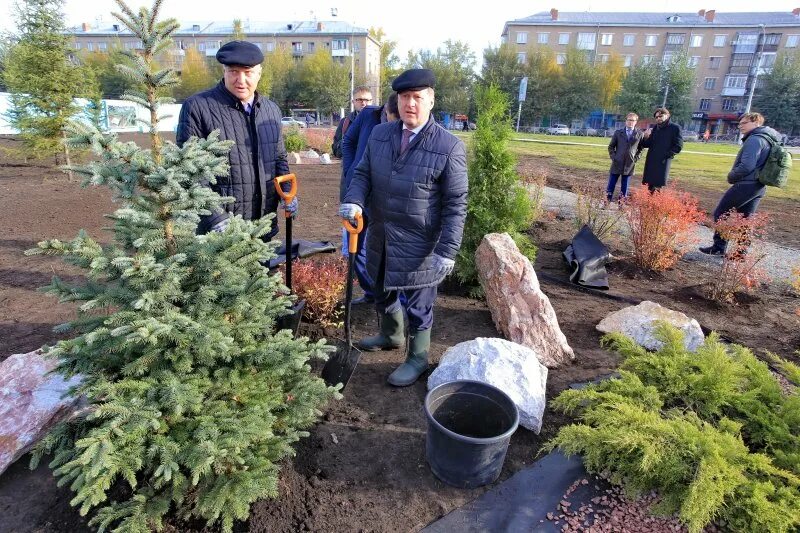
<point>414,174</point>
<point>235,108</point>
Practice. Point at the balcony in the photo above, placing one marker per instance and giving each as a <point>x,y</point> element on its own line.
<point>342,52</point>
<point>733,91</point>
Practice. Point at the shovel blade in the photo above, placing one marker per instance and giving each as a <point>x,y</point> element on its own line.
<point>341,365</point>
<point>292,321</point>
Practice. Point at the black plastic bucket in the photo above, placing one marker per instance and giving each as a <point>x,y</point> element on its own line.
<point>469,426</point>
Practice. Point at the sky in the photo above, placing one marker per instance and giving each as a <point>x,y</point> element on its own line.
<point>415,25</point>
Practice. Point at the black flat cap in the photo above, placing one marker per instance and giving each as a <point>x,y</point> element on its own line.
<point>240,53</point>
<point>414,79</point>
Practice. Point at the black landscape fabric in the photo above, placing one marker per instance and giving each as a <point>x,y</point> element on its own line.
<point>301,249</point>
<point>587,257</point>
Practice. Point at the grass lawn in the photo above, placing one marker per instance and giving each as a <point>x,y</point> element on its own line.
<point>707,169</point>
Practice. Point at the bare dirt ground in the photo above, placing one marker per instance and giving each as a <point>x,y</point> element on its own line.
<point>363,467</point>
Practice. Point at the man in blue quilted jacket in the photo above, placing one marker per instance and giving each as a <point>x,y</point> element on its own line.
<point>242,115</point>
<point>414,175</point>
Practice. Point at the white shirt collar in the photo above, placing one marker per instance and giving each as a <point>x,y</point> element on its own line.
<point>415,130</point>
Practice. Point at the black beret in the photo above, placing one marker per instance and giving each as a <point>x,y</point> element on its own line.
<point>240,53</point>
<point>414,79</point>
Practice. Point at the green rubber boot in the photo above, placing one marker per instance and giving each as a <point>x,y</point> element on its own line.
<point>390,337</point>
<point>419,344</point>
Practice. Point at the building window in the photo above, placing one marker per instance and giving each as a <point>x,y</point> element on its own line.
<point>602,58</point>
<point>311,47</point>
<point>694,61</point>
<point>76,45</point>
<point>522,37</point>
<point>521,57</point>
<point>668,57</point>
<point>543,38</point>
<point>297,47</point>
<point>339,44</point>
<point>728,104</point>
<point>646,60</point>
<point>563,38</point>
<point>735,82</point>
<point>792,40</point>
<point>650,40</point>
<point>719,40</point>
<point>629,39</point>
<point>675,38</point>
<point>741,60</point>
<point>772,39</point>
<point>201,47</point>
<point>586,41</point>
<point>561,59</point>
<point>211,45</point>
<point>102,47</point>
<point>356,47</point>
<point>696,41</point>
<point>767,61</point>
<point>710,83</point>
<point>714,62</point>
<point>705,103</point>
<point>270,47</point>
<point>606,38</point>
<point>628,61</point>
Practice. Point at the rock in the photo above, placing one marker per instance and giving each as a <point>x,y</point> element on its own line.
<point>30,403</point>
<point>294,158</point>
<point>638,323</point>
<point>520,310</point>
<point>325,159</point>
<point>511,367</point>
<point>309,154</point>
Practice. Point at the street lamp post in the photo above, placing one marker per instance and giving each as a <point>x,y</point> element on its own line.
<point>335,13</point>
<point>760,50</point>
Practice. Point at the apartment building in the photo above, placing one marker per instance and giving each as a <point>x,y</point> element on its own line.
<point>347,44</point>
<point>729,50</point>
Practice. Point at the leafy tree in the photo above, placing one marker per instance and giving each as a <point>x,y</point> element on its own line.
<point>238,32</point>
<point>323,82</point>
<point>611,73</point>
<point>278,77</point>
<point>390,63</point>
<point>578,87</point>
<point>680,78</point>
<point>453,66</point>
<point>193,399</point>
<point>641,90</point>
<point>113,83</point>
<point>195,76</point>
<point>779,97</point>
<point>498,202</point>
<point>502,69</point>
<point>42,81</point>
<point>543,83</point>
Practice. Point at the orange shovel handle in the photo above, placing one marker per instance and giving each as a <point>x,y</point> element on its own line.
<point>287,197</point>
<point>353,231</point>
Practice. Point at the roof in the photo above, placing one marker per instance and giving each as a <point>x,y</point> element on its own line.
<point>660,19</point>
<point>250,28</point>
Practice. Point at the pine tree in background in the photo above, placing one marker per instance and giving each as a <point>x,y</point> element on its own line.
<point>498,201</point>
<point>193,399</point>
<point>42,81</point>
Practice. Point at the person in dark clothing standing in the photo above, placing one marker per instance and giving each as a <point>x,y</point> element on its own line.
<point>362,97</point>
<point>414,175</point>
<point>353,145</point>
<point>746,190</point>
<point>662,143</point>
<point>624,150</point>
<point>235,108</point>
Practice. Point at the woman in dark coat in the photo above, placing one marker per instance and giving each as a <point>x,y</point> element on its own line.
<point>624,150</point>
<point>662,143</point>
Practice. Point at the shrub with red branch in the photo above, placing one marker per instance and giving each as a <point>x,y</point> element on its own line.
<point>319,140</point>
<point>739,271</point>
<point>321,282</point>
<point>661,225</point>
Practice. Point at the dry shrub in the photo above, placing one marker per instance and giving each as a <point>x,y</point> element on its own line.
<point>535,183</point>
<point>739,268</point>
<point>594,210</point>
<point>661,225</point>
<point>319,140</point>
<point>321,282</point>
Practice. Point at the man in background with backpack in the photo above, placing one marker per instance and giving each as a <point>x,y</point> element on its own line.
<point>362,97</point>
<point>747,189</point>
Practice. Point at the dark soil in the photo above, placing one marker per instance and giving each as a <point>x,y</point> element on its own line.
<point>363,467</point>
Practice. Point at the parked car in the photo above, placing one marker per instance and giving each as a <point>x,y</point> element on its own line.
<point>585,132</point>
<point>691,136</point>
<point>290,121</point>
<point>558,129</point>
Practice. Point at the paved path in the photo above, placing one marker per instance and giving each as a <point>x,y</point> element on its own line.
<point>778,264</point>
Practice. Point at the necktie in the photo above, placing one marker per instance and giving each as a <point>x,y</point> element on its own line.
<point>405,140</point>
<point>630,134</point>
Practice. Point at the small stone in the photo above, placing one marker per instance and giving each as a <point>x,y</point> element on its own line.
<point>334,438</point>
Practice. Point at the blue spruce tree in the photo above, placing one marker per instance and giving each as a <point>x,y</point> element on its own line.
<point>193,398</point>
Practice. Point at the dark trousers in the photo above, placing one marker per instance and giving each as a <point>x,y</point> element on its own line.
<point>742,197</point>
<point>418,303</point>
<point>612,184</point>
<point>360,264</point>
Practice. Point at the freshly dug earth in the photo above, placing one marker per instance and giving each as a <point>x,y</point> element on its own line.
<point>363,467</point>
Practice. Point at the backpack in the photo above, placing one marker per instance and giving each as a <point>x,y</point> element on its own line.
<point>775,172</point>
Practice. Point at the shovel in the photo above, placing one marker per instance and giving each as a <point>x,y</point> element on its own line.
<point>292,321</point>
<point>342,364</point>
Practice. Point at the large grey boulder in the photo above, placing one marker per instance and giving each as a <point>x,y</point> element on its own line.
<point>31,402</point>
<point>520,310</point>
<point>639,322</point>
<point>513,368</point>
